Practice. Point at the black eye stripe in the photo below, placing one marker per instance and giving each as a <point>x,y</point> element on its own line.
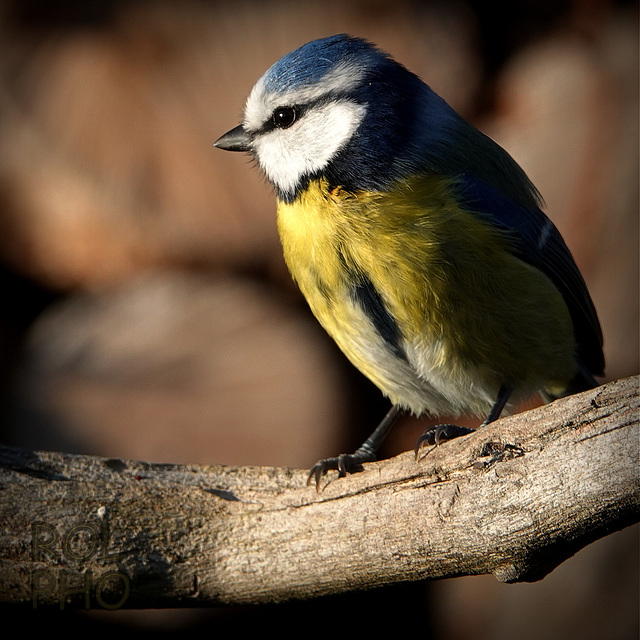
<point>299,111</point>
<point>283,117</point>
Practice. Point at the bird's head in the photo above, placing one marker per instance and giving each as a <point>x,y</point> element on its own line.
<point>337,108</point>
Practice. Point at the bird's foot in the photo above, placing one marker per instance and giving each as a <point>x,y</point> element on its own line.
<point>433,436</point>
<point>351,462</point>
<point>344,463</point>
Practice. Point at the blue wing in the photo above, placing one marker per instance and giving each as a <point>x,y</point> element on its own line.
<point>536,241</point>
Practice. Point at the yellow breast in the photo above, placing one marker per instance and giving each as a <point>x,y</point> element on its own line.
<point>470,316</point>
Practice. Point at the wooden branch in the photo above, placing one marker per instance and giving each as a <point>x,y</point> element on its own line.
<point>515,499</point>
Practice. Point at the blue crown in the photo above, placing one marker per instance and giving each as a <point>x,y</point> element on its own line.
<point>308,64</point>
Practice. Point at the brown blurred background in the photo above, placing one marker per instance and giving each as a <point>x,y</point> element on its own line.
<point>148,314</point>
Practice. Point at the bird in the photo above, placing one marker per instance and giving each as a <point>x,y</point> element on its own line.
<point>418,242</point>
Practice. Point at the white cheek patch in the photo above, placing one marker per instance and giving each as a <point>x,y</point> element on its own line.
<point>286,155</point>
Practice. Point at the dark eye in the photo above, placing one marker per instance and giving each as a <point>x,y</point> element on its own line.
<point>284,117</point>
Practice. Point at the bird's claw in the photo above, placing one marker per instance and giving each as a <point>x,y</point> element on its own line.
<point>433,436</point>
<point>344,463</point>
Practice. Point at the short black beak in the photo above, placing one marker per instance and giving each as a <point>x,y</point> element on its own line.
<point>234,140</point>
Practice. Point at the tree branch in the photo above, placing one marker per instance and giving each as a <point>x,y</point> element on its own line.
<point>515,499</point>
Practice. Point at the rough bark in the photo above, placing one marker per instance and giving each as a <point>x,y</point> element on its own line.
<point>515,498</point>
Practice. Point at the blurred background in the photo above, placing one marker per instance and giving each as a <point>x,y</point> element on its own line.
<point>147,311</point>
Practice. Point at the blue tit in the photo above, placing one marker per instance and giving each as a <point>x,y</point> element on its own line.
<point>418,242</point>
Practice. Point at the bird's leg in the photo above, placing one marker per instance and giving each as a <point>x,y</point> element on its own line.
<point>350,462</point>
<point>433,436</point>
<point>502,399</point>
